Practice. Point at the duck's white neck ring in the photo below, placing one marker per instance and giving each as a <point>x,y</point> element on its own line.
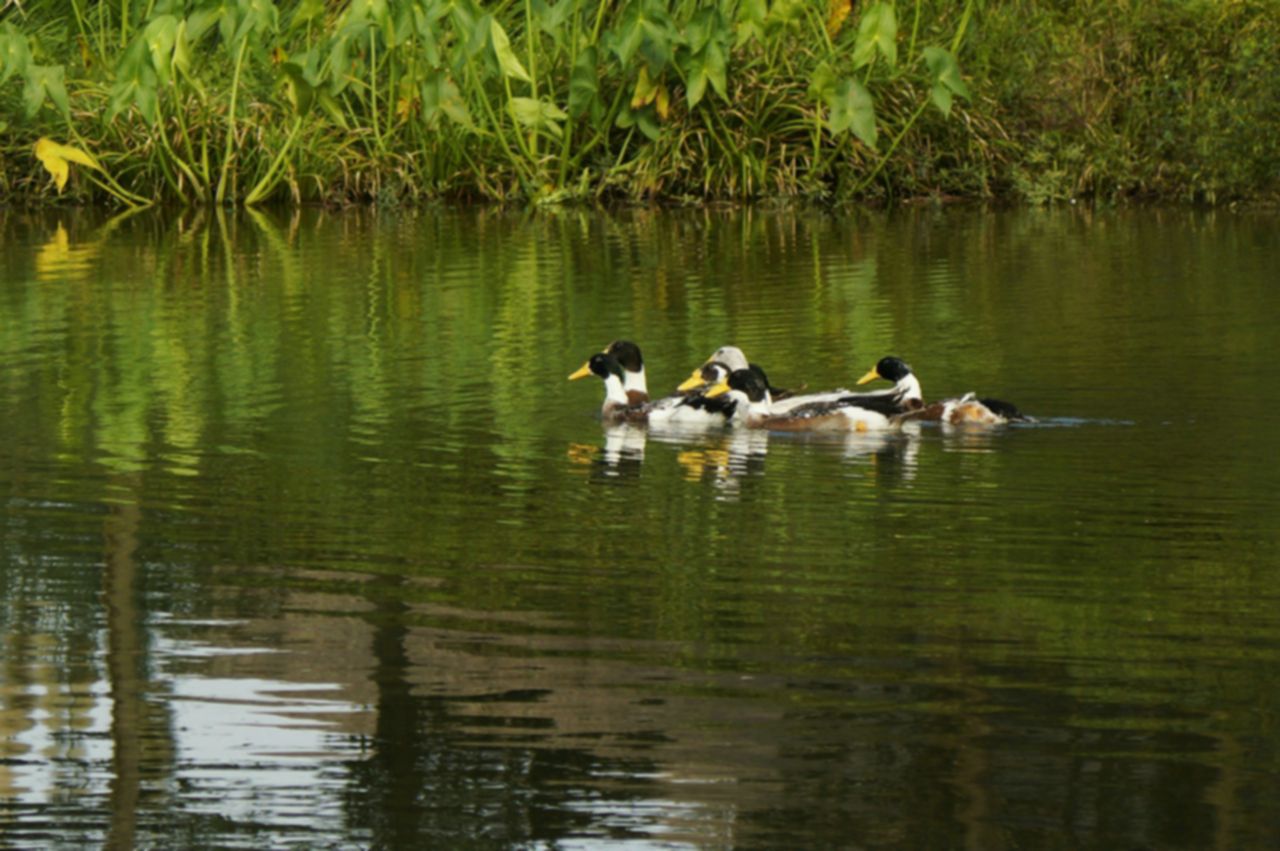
<point>635,381</point>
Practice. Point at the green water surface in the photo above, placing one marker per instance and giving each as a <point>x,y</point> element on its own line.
<point>306,540</point>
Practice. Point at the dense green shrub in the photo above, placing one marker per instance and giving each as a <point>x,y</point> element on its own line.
<point>373,100</point>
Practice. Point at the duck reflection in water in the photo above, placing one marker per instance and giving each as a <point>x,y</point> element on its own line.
<point>621,455</point>
<point>887,456</point>
<point>739,453</point>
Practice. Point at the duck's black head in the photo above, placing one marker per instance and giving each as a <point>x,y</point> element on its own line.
<point>627,353</point>
<point>892,369</point>
<point>603,365</point>
<point>750,381</point>
<point>712,372</point>
<point>600,365</point>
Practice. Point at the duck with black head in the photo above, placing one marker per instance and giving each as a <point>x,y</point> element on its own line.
<point>874,411</point>
<point>623,405</point>
<point>723,361</point>
<point>619,404</point>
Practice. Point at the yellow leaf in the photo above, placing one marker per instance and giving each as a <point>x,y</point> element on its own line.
<point>837,12</point>
<point>56,166</point>
<point>55,156</point>
<point>645,91</point>
<point>664,102</point>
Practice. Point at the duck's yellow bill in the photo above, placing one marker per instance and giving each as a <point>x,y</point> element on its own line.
<point>695,380</point>
<point>870,376</point>
<point>718,390</point>
<point>583,372</point>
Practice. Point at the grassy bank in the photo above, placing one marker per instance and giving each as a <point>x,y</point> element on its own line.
<point>253,101</point>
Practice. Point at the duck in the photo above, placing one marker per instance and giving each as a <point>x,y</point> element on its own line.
<point>723,361</point>
<point>621,405</point>
<point>628,356</point>
<point>905,394</point>
<point>690,411</point>
<point>969,410</point>
<point>832,411</point>
<point>747,391</point>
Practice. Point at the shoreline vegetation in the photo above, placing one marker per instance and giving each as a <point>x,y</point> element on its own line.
<point>190,102</point>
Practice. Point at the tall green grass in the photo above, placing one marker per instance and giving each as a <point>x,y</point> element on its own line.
<point>253,101</point>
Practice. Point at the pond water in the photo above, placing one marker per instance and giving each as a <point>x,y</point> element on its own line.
<point>307,541</point>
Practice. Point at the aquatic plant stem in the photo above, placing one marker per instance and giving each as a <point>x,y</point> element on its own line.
<point>530,30</point>
<point>893,146</point>
<point>229,149</point>
<point>264,185</point>
<point>103,178</point>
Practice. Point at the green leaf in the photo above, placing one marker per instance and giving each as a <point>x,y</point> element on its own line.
<point>147,101</point>
<point>511,66</point>
<point>700,29</point>
<point>552,20</point>
<point>584,84</point>
<point>478,37</point>
<point>647,122</point>
<point>331,108</point>
<point>340,57</point>
<point>32,94</point>
<point>466,25</point>
<point>537,114</point>
<point>946,71</point>
<point>750,23</point>
<point>752,12</point>
<point>133,60</point>
<point>302,92</point>
<point>526,111</point>
<point>658,44</point>
<point>786,13</point>
<point>15,55</point>
<point>696,83</point>
<point>121,98</point>
<point>380,14</point>
<point>226,20</point>
<point>715,64</point>
<point>852,109</point>
<point>626,42</point>
<point>877,32</point>
<point>822,82</point>
<point>181,48</point>
<point>440,95</point>
<point>159,37</point>
<point>256,17</point>
<point>306,12</point>
<point>136,81</point>
<point>45,81</point>
<point>137,90</point>
<point>200,21</point>
<point>941,97</point>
